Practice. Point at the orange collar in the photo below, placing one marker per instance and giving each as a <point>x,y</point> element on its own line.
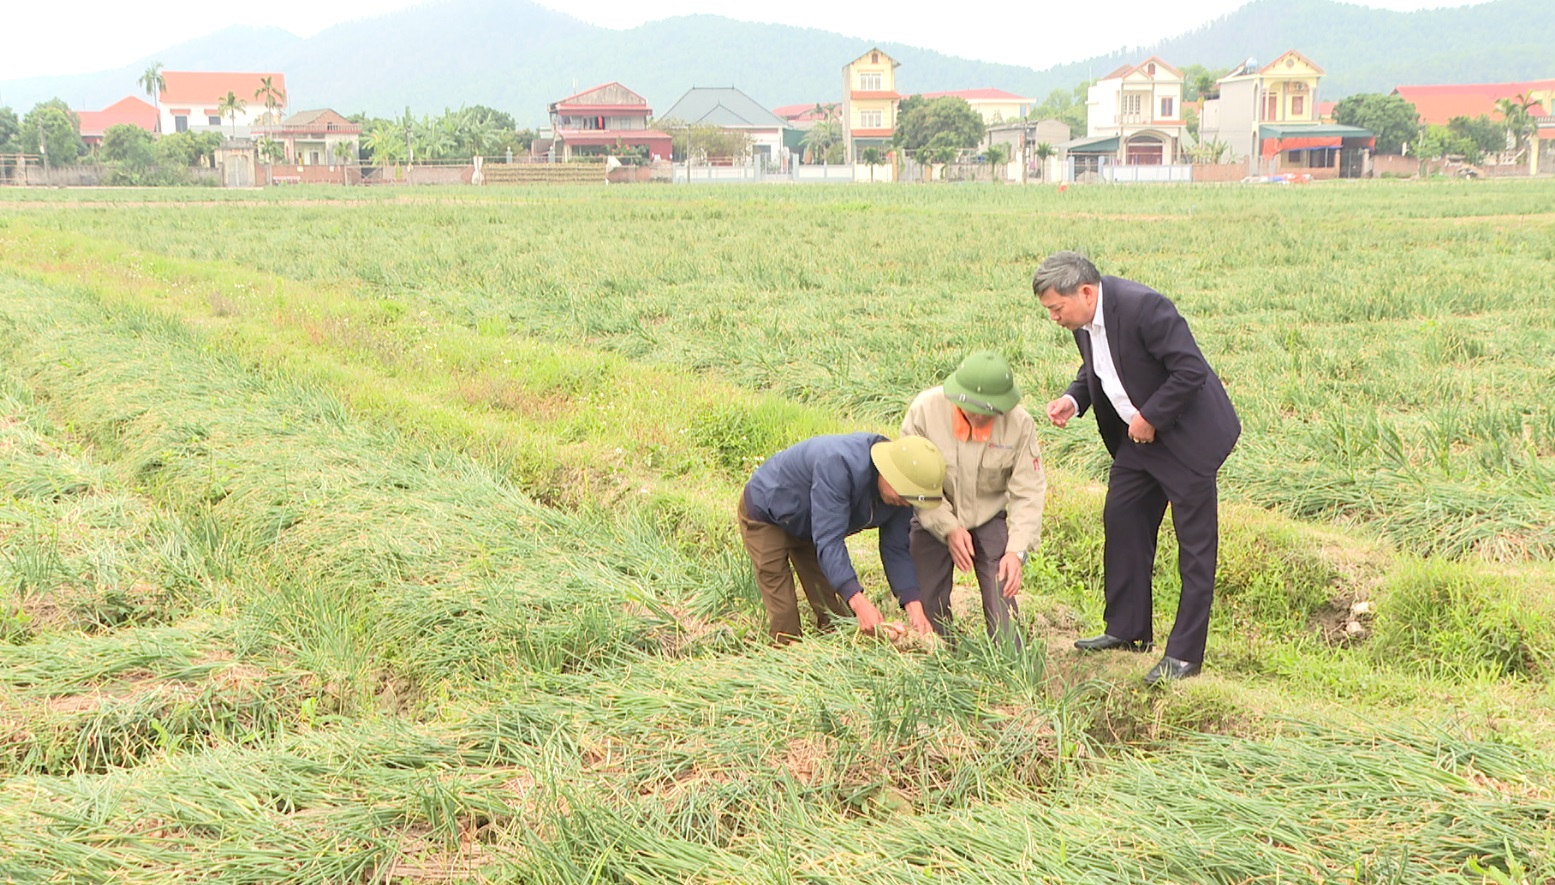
<point>965,431</point>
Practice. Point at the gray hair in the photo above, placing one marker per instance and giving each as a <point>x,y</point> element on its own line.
<point>1064,273</point>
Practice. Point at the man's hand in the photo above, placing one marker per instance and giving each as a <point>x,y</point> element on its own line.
<point>1140,430</point>
<point>1060,410</point>
<point>917,619</point>
<point>869,618</point>
<point>1010,568</point>
<point>960,543</point>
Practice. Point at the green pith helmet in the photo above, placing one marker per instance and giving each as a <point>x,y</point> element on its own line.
<point>983,384</point>
<point>914,468</point>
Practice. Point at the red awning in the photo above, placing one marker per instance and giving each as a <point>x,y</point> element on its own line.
<point>1272,146</point>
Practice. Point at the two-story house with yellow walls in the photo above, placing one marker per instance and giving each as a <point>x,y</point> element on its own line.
<point>869,100</point>
<point>1140,106</point>
<point>1269,116</point>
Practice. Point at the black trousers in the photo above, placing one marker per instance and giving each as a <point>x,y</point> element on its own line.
<point>1145,478</point>
<point>931,557</point>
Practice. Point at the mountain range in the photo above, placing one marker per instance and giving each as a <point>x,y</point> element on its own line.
<point>519,57</point>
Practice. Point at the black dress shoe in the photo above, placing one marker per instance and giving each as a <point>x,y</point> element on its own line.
<point>1171,669</point>
<point>1105,642</point>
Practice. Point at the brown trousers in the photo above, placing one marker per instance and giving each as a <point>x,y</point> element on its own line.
<point>772,550</point>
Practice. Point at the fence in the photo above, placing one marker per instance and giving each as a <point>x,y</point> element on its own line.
<point>27,170</point>
<point>698,173</point>
<point>1117,173</point>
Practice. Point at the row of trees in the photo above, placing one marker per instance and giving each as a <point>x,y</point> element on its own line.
<point>51,130</point>
<point>1396,124</point>
<point>457,134</point>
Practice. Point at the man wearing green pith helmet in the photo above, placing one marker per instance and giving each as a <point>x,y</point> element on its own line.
<point>994,490</point>
<point>803,502</point>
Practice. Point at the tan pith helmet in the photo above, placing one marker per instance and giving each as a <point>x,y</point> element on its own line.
<point>914,467</point>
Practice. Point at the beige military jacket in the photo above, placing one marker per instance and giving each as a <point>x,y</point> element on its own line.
<point>983,478</point>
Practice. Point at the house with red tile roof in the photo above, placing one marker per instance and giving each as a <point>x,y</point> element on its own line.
<point>603,119</point>
<point>191,100</point>
<point>1439,104</point>
<point>995,105</point>
<point>129,111</point>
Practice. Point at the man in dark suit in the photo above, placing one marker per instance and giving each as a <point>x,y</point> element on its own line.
<point>1169,425</point>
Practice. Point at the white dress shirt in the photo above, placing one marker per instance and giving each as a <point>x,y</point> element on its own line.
<point>1102,366</point>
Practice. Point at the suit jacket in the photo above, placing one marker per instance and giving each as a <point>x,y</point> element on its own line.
<point>1165,375</point>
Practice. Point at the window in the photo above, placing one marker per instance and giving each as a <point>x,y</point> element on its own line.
<point>181,123</point>
<point>870,120</point>
<point>214,121</point>
<point>1298,105</point>
<point>1133,106</point>
<point>869,81</point>
<point>1166,107</point>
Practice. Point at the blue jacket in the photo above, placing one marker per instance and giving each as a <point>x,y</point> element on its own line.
<point>825,489</point>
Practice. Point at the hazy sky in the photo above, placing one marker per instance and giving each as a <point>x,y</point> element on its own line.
<point>90,35</point>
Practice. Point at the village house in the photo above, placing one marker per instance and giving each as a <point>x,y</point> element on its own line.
<point>130,111</point>
<point>1136,112</point>
<point>313,138</point>
<point>603,120</point>
<point>1269,117</point>
<point>191,100</point>
<point>869,102</point>
<point>1439,104</point>
<point>730,109</point>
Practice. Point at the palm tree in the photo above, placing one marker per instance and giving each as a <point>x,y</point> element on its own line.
<point>272,97</point>
<point>387,142</point>
<point>1519,122</point>
<point>872,157</point>
<point>1042,151</point>
<point>154,84</point>
<point>998,155</point>
<point>230,106</point>
<point>820,138</point>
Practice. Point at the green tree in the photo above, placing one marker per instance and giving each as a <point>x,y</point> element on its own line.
<point>184,149</point>
<point>702,141</point>
<point>1201,82</point>
<point>944,122</point>
<point>1519,122</point>
<point>127,144</point>
<point>10,128</point>
<point>823,141</point>
<point>1066,106</point>
<point>230,106</point>
<point>53,129</point>
<point>154,84</point>
<point>1477,136</point>
<point>1042,151</point>
<point>386,143</point>
<point>498,119</point>
<point>998,155</point>
<point>272,98</point>
<point>1394,121</point>
<point>270,150</point>
<point>872,157</point>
